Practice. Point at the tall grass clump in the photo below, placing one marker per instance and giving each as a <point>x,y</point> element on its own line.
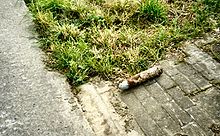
<point>153,10</point>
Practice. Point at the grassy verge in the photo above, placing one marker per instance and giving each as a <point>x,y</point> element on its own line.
<point>111,38</point>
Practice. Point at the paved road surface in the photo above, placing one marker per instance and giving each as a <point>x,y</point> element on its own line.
<point>33,101</point>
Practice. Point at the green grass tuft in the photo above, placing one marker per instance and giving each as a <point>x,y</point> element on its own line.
<point>153,10</point>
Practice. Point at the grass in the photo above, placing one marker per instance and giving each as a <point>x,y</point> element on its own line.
<point>153,10</point>
<point>110,38</point>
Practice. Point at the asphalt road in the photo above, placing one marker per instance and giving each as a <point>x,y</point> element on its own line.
<point>33,101</point>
